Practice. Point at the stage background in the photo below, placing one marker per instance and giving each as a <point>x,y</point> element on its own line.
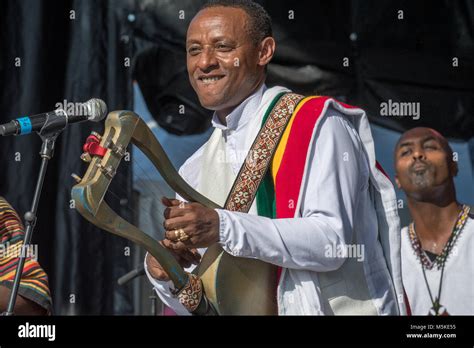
<point>361,52</point>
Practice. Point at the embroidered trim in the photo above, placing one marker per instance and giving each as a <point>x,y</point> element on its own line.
<point>258,159</point>
<point>440,259</point>
<point>190,296</point>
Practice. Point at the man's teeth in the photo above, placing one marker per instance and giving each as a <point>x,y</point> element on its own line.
<point>210,79</point>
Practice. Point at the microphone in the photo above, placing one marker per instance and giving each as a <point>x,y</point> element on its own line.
<point>50,122</point>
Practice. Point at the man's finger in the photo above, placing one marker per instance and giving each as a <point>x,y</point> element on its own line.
<point>174,211</point>
<point>185,263</point>
<point>166,243</point>
<point>196,254</point>
<point>189,256</point>
<point>172,236</point>
<point>171,202</point>
<point>178,246</point>
<point>182,234</point>
<point>159,275</point>
<point>155,269</point>
<point>178,223</point>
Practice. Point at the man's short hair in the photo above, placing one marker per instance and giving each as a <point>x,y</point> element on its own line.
<point>260,23</point>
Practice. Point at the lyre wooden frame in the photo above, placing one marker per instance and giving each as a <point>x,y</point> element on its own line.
<point>123,128</point>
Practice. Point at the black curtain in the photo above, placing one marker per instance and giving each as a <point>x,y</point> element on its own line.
<point>51,52</point>
<point>364,52</point>
<point>404,51</point>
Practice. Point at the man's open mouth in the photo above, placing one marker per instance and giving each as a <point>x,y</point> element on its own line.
<point>210,79</point>
<point>419,167</point>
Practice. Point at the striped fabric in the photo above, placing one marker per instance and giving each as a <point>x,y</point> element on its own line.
<point>290,149</point>
<point>34,283</point>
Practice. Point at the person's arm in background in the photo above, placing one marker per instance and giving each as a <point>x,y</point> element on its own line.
<point>33,295</point>
<point>23,306</point>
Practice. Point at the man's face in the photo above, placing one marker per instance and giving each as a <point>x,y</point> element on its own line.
<point>422,162</point>
<point>222,60</point>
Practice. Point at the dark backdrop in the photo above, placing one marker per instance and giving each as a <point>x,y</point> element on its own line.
<point>406,56</point>
<point>408,60</point>
<point>73,59</point>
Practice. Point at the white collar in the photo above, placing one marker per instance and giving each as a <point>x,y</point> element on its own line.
<point>242,113</point>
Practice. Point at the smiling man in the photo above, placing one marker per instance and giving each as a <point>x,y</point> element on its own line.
<point>321,193</point>
<point>437,257</point>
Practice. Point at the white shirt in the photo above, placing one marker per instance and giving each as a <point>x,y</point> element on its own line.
<point>335,199</point>
<point>457,292</point>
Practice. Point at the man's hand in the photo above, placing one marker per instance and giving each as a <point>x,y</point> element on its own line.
<point>190,225</point>
<point>185,258</point>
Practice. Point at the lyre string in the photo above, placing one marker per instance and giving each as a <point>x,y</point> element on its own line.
<point>147,183</point>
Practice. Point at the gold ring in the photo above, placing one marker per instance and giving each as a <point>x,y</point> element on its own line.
<point>182,235</point>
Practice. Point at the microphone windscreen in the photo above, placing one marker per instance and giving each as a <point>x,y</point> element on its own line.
<point>96,109</point>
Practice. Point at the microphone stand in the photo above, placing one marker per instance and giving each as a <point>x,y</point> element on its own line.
<point>138,272</point>
<point>131,275</point>
<point>46,153</point>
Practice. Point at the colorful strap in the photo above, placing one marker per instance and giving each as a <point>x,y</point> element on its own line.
<point>260,155</point>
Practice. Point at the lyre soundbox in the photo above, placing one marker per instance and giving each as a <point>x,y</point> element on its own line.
<point>221,284</point>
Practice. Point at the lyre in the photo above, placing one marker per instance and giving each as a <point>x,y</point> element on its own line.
<point>231,285</point>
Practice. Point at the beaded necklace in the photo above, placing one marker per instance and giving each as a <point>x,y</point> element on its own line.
<point>440,260</point>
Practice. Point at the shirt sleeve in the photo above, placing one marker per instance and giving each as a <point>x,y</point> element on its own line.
<point>336,173</point>
<point>34,281</point>
<point>163,290</point>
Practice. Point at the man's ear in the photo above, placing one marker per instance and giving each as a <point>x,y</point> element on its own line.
<point>454,168</point>
<point>267,50</point>
<point>397,181</point>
